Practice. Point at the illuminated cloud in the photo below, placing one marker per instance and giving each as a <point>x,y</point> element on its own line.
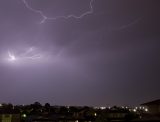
<point>95,52</point>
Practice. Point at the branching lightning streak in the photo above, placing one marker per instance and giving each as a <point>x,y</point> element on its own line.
<point>34,56</point>
<point>30,54</point>
<point>44,17</point>
<point>11,56</point>
<point>129,24</point>
<point>25,55</point>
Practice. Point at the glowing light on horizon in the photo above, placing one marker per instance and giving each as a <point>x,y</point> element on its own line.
<point>134,110</point>
<point>95,114</point>
<point>146,110</point>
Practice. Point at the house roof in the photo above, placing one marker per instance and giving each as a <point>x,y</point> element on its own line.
<point>155,102</point>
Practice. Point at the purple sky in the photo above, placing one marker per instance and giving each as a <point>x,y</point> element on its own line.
<point>79,52</point>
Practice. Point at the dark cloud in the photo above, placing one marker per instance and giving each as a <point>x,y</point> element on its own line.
<point>108,57</point>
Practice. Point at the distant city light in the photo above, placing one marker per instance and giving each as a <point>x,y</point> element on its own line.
<point>134,110</point>
<point>146,110</point>
<point>95,114</point>
<point>24,115</point>
<point>102,108</point>
<point>96,107</point>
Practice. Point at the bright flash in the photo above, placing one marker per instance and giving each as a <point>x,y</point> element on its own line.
<point>30,54</point>
<point>11,56</point>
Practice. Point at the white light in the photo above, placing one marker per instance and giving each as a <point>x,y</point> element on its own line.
<point>96,107</point>
<point>24,115</point>
<point>134,110</point>
<point>102,108</point>
<point>95,114</point>
<point>146,110</point>
<point>11,57</point>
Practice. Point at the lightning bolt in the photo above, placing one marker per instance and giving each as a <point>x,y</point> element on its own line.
<point>33,57</point>
<point>44,17</point>
<point>128,25</point>
<point>11,56</point>
<point>28,54</point>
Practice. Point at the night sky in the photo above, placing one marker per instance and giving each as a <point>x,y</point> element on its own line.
<point>79,52</point>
